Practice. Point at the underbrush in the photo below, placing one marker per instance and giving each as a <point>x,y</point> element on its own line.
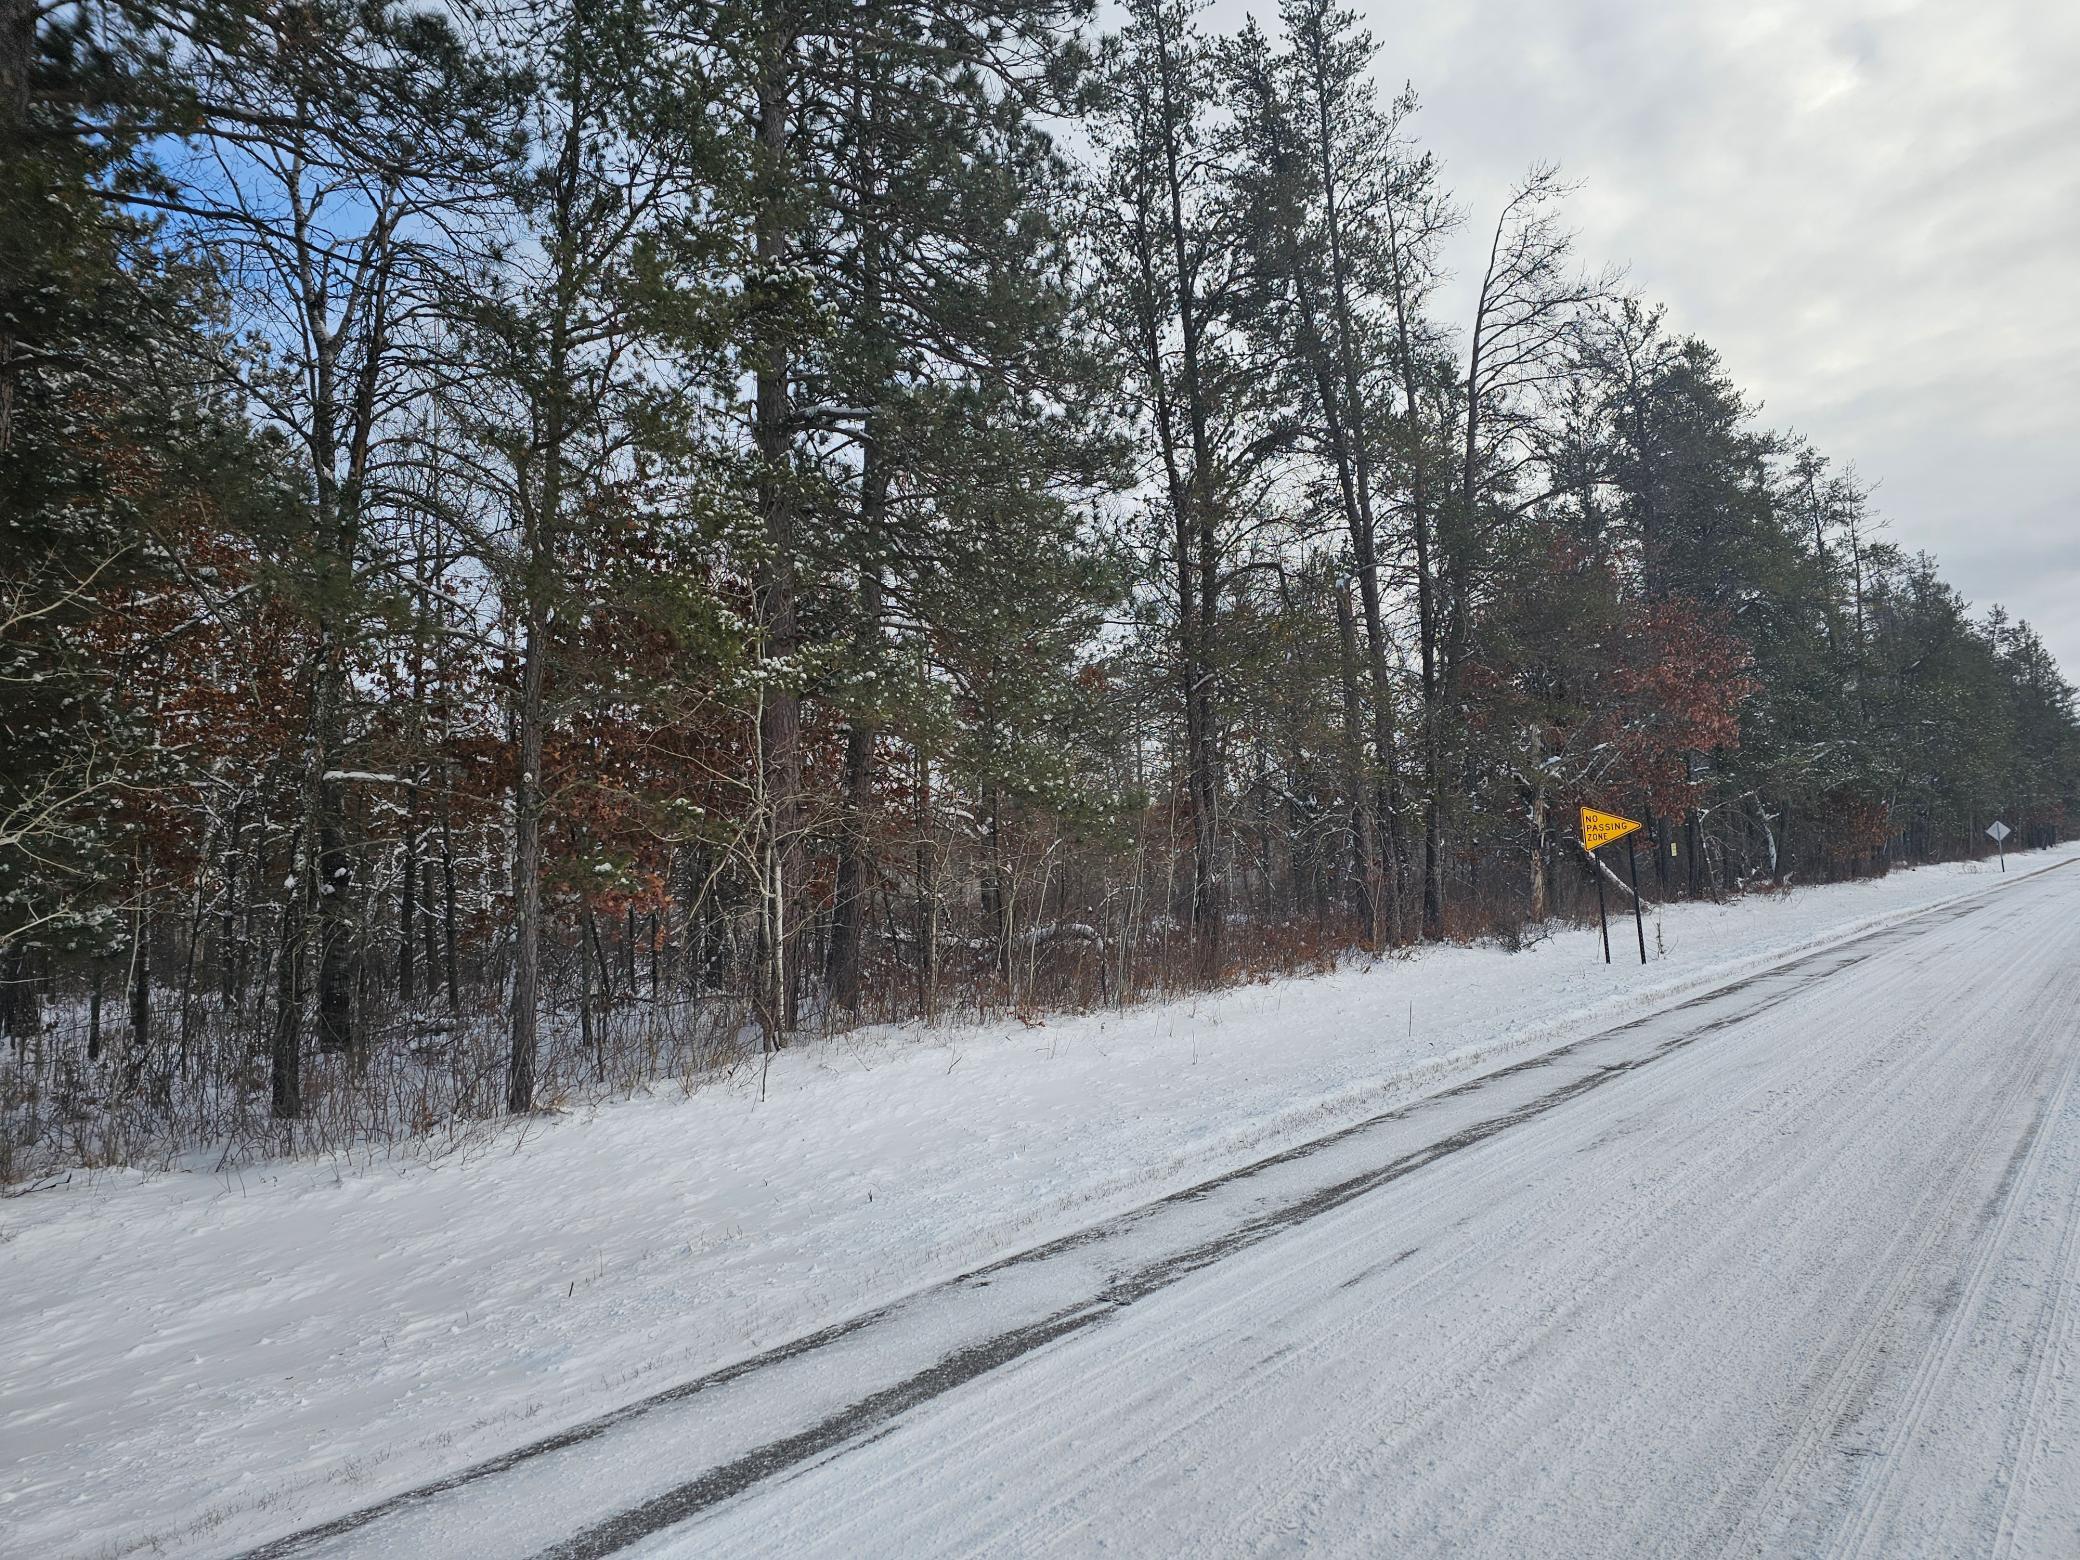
<point>87,1091</point>
<point>197,1092</point>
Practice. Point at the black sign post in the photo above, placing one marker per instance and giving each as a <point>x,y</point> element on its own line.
<point>1602,916</point>
<point>1639,921</point>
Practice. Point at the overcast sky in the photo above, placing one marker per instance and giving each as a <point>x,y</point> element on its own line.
<point>1870,207</point>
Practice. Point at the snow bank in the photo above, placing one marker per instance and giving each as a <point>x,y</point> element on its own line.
<point>201,1361</point>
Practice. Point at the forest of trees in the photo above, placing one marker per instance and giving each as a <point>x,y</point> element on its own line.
<point>547,547</point>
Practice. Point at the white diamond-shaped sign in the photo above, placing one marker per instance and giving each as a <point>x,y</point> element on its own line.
<point>1998,831</point>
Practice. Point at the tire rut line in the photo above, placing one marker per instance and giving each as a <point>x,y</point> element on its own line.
<point>1855,1366</point>
<point>1849,1100</point>
<point>1939,1356</point>
<point>2054,1326</point>
<point>1584,1278</point>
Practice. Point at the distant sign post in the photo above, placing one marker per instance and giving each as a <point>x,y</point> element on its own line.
<point>1998,832</point>
<point>1600,829</point>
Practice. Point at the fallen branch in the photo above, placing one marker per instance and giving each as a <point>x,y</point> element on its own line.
<point>1618,882</point>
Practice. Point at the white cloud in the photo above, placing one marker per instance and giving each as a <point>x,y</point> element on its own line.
<point>1870,207</point>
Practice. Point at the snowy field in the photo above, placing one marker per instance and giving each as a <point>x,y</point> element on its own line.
<point>198,1363</point>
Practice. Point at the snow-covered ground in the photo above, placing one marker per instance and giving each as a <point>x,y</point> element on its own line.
<point>197,1363</point>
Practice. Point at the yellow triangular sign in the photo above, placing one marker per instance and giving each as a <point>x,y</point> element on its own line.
<point>1600,828</point>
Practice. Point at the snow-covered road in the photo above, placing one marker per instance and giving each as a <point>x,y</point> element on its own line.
<point>1788,1268</point>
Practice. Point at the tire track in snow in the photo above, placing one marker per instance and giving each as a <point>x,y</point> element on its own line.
<point>2053,1342</point>
<point>1468,1371</point>
<point>1849,1100</point>
<point>1940,1358</point>
<point>1914,1263</point>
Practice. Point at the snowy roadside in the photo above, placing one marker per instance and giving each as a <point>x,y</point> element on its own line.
<point>200,1361</point>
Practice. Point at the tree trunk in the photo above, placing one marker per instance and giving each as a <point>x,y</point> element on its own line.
<point>855,862</point>
<point>1420,527</point>
<point>848,912</point>
<point>779,714</point>
<point>286,1054</point>
<point>1370,875</point>
<point>628,950</point>
<point>17,48</point>
<point>1200,521</point>
<point>187,998</point>
<point>408,901</point>
<point>230,953</point>
<point>1537,819</point>
<point>336,952</point>
<point>537,563</point>
<point>927,893</point>
<point>429,921</point>
<point>1353,436</point>
<point>451,964</point>
<point>588,1040</point>
<point>527,864</point>
<point>542,520</point>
